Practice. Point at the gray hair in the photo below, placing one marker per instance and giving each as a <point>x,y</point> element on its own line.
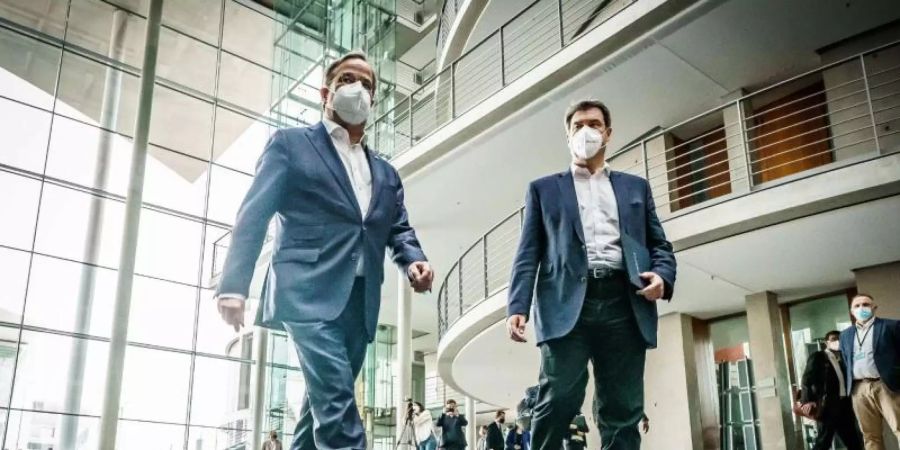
<point>585,105</point>
<point>331,70</point>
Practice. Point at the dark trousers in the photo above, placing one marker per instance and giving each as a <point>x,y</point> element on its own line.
<point>840,421</point>
<point>607,335</point>
<point>331,355</point>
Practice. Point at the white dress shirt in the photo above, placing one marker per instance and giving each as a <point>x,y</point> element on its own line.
<point>864,352</point>
<point>599,213</point>
<point>353,157</point>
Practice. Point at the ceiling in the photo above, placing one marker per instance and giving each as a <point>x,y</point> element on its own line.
<point>677,73</point>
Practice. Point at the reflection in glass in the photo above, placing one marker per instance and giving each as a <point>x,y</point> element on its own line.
<point>30,75</point>
<point>226,191</point>
<point>35,430</point>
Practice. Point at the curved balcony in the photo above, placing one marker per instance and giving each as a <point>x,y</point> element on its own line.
<point>540,31</point>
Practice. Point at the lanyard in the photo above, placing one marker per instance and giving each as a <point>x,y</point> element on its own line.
<point>865,335</point>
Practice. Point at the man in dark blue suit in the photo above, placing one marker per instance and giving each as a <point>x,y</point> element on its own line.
<point>595,259</point>
<point>337,207</point>
<point>871,352</point>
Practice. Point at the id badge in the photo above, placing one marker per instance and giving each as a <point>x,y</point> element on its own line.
<point>859,356</point>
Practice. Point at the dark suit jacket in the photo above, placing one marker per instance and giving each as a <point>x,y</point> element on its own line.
<point>552,254</point>
<point>886,345</point>
<point>820,382</point>
<point>320,233</point>
<point>494,437</point>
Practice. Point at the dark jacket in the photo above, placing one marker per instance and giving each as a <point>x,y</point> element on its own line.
<point>452,429</point>
<point>494,437</point>
<point>551,263</point>
<point>886,345</point>
<point>522,440</point>
<point>820,383</point>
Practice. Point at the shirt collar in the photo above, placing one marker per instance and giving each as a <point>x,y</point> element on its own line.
<point>584,174</point>
<point>864,326</point>
<point>335,130</point>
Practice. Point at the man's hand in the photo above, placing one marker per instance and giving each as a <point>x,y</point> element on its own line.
<point>515,325</point>
<point>232,311</point>
<point>645,426</point>
<point>807,407</point>
<point>420,276</point>
<point>654,290</point>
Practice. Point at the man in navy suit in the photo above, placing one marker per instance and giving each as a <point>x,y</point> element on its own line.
<point>337,207</point>
<point>595,259</point>
<point>871,352</point>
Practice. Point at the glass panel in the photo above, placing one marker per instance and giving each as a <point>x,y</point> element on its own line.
<point>180,122</point>
<point>59,291</point>
<point>214,336</point>
<point>30,430</point>
<point>248,33</point>
<point>81,87</point>
<point>185,60</point>
<point>149,436</point>
<point>216,401</point>
<point>196,18</point>
<point>78,151</point>
<point>155,302</point>
<point>64,228</point>
<point>245,84</point>
<point>29,67</point>
<point>9,337</point>
<point>176,181</point>
<point>91,25</point>
<point>169,247</point>
<point>227,190</point>
<point>239,140</point>
<point>13,278</point>
<point>220,438</point>
<point>47,17</point>
<point>155,385</point>
<point>214,253</point>
<point>24,130</point>
<point>19,210</point>
<point>810,321</point>
<point>48,377</point>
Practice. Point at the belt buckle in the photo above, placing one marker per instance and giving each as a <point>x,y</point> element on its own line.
<point>599,272</point>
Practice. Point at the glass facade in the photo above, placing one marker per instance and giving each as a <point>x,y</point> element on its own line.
<point>229,73</point>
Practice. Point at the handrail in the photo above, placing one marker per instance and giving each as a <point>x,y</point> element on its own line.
<point>802,129</point>
<point>462,86</point>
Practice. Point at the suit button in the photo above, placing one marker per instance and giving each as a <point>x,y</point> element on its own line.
<point>583,279</point>
<point>353,257</point>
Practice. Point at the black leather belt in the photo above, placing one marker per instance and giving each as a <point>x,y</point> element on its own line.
<point>871,380</point>
<point>602,273</point>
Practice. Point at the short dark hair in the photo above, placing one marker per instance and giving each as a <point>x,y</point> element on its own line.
<point>499,413</point>
<point>832,333</point>
<point>450,400</point>
<point>863,294</point>
<point>585,105</point>
<point>331,70</point>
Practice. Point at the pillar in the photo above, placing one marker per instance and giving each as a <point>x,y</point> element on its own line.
<point>258,393</point>
<point>472,427</point>
<point>109,419</point>
<point>664,194</point>
<point>882,282</point>
<point>736,142</point>
<point>770,372</point>
<point>404,348</point>
<point>671,388</point>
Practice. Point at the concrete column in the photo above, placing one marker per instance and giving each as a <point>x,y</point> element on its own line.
<point>472,417</point>
<point>736,142</point>
<point>258,394</point>
<point>658,175</point>
<point>671,388</point>
<point>109,114</point>
<point>404,348</point>
<point>881,282</point>
<point>115,368</point>
<point>770,372</point>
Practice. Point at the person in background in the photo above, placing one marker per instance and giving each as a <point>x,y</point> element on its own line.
<point>823,383</point>
<point>871,352</point>
<point>482,438</point>
<point>424,424</point>
<point>495,431</point>
<point>272,443</point>
<point>452,425</point>
<point>518,439</point>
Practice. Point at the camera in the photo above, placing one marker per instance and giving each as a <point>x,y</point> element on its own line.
<point>410,409</point>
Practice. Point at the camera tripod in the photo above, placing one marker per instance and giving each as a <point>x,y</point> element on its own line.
<point>407,437</point>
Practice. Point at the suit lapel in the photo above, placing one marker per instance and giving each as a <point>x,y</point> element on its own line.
<point>622,206</point>
<point>570,202</point>
<point>325,147</point>
<point>377,180</point>
<point>878,331</point>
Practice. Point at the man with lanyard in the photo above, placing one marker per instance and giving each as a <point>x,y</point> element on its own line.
<point>870,352</point>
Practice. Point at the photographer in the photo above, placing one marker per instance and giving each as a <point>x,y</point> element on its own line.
<point>424,425</point>
<point>452,424</point>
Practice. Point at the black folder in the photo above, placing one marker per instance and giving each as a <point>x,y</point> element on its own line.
<point>637,260</point>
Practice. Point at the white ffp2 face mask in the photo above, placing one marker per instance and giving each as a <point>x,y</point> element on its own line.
<point>352,102</point>
<point>586,143</point>
<point>833,345</point>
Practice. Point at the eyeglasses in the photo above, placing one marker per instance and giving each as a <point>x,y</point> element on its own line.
<point>350,78</point>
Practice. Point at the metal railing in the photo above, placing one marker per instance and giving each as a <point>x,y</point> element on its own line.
<point>838,114</point>
<point>531,37</point>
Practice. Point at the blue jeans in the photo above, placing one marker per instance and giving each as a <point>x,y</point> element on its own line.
<point>428,444</point>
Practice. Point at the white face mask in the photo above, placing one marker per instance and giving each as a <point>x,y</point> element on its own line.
<point>352,102</point>
<point>833,345</point>
<point>586,143</point>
